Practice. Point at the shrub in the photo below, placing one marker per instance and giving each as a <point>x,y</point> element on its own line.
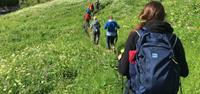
<point>8,3</point>
<point>23,3</point>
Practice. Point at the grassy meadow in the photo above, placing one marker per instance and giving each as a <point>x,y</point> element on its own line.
<point>43,49</point>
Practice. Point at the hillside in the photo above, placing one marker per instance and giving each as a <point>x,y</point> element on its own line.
<point>7,6</point>
<point>44,50</point>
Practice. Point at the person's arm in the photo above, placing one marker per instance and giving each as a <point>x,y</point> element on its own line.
<point>99,25</point>
<point>180,58</point>
<point>118,26</point>
<point>123,66</point>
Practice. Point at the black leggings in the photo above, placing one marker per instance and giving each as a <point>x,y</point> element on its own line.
<point>96,37</point>
<point>109,41</point>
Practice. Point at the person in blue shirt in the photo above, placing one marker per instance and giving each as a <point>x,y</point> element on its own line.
<point>88,11</point>
<point>111,27</point>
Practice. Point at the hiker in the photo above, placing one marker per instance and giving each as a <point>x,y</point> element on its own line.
<point>152,70</point>
<point>86,24</point>
<point>88,11</point>
<point>91,7</point>
<point>97,5</point>
<point>95,26</point>
<point>111,27</point>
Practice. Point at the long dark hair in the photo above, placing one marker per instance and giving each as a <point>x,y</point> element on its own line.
<point>153,10</point>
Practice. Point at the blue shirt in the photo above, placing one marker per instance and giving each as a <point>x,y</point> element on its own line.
<point>111,26</point>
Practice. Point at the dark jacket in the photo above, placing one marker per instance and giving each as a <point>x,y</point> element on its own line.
<point>95,25</point>
<point>154,26</point>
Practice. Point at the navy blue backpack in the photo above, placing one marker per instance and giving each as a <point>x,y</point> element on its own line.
<point>96,26</point>
<point>155,71</point>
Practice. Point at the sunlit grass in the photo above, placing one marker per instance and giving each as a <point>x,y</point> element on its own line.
<point>44,50</point>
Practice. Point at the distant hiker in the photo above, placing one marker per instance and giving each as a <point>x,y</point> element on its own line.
<point>88,11</point>
<point>97,5</point>
<point>86,24</point>
<point>111,26</point>
<point>154,57</point>
<point>95,26</point>
<point>91,7</point>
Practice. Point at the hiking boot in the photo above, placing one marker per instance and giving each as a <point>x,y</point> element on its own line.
<point>112,47</point>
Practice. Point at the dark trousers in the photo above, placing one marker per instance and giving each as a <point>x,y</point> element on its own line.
<point>109,41</point>
<point>128,88</point>
<point>96,37</point>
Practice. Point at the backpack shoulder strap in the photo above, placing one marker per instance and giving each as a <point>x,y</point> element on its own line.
<point>173,40</point>
<point>138,33</point>
<point>141,32</point>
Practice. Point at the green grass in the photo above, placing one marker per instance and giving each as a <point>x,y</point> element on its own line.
<point>26,3</point>
<point>22,3</point>
<point>44,50</point>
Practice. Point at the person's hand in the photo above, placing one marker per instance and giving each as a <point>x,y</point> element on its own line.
<point>119,56</point>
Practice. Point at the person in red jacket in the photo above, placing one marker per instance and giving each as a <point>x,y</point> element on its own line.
<point>87,19</point>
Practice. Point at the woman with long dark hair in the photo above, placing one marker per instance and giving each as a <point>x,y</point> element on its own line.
<point>153,19</point>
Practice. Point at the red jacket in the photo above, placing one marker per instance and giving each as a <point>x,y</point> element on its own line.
<point>87,17</point>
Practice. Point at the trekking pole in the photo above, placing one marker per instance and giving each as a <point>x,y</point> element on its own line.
<point>122,78</point>
<point>122,84</point>
<point>181,91</point>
